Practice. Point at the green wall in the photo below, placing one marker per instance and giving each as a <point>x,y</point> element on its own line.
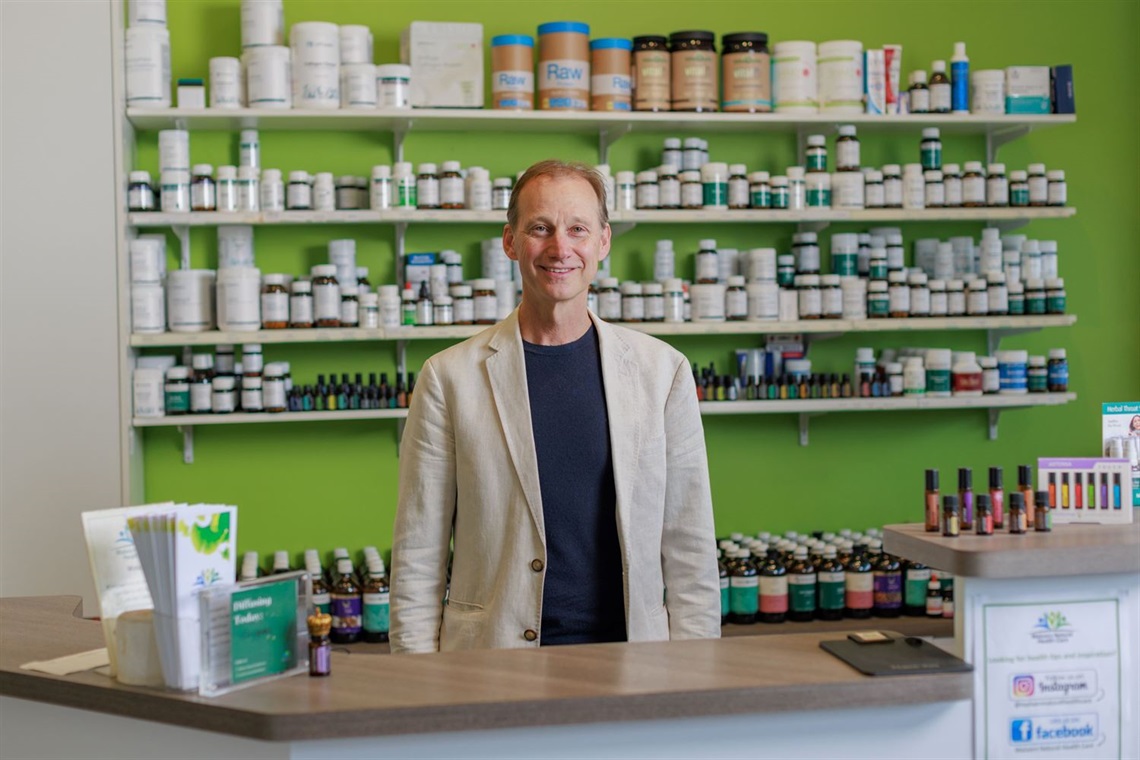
<point>327,484</point>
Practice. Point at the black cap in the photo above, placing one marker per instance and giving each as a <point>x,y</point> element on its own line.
<point>965,478</point>
<point>995,477</point>
<point>650,39</point>
<point>1041,498</point>
<point>982,503</point>
<point>755,37</point>
<point>1016,501</point>
<point>932,479</point>
<point>1024,475</point>
<point>950,502</point>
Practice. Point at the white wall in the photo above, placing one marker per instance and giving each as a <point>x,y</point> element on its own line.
<point>59,342</point>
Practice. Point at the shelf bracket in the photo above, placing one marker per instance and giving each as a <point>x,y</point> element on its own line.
<point>607,136</point>
<point>620,228</point>
<point>994,337</point>
<point>992,427</point>
<point>804,418</point>
<point>399,131</point>
<point>994,140</point>
<point>187,443</point>
<point>182,232</point>
<point>816,227</point>
<point>1009,225</point>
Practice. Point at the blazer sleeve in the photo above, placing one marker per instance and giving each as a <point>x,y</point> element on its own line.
<point>688,540</point>
<point>424,517</point>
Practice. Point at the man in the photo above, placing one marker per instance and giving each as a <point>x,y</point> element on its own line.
<point>563,459</point>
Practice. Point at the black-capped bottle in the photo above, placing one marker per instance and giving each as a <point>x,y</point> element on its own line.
<point>966,497</point>
<point>743,588</point>
<point>887,580</point>
<point>916,582</point>
<point>947,581</point>
<point>346,605</point>
<point>801,586</point>
<point>773,588</point>
<point>984,518</point>
<point>321,601</point>
<point>1043,516</point>
<point>859,598</point>
<point>723,570</point>
<point>375,603</point>
<point>950,526</point>
<point>1017,513</point>
<point>832,582</point>
<point>934,597</point>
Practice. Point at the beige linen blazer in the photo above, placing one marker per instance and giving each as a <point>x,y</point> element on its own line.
<point>469,474</point>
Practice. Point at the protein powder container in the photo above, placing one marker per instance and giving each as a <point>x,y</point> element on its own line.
<point>564,66</point>
<point>512,66</point>
<point>746,73</point>
<point>694,76</point>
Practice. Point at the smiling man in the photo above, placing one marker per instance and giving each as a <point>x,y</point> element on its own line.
<point>560,458</point>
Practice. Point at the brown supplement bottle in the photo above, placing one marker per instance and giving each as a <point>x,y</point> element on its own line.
<point>650,75</point>
<point>694,72</point>
<point>746,73</point>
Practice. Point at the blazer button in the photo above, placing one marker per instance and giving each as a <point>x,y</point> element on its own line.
<point>530,634</point>
<point>536,565</point>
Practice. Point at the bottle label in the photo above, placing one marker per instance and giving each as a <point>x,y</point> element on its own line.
<point>376,612</point>
<point>934,606</point>
<point>888,590</point>
<point>860,591</point>
<point>725,606</point>
<point>937,380</point>
<point>1058,373</point>
<point>321,602</point>
<point>773,593</point>
<point>274,307</point>
<point>346,617</point>
<point>451,191</point>
<point>931,157</point>
<point>406,192</point>
<point>801,592</point>
<point>513,82</point>
<point>916,583</point>
<point>714,194</point>
<point>326,302</point>
<point>761,196</point>
<point>742,598</point>
<point>831,590</point>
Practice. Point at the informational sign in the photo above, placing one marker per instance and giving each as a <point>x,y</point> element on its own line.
<point>263,630</point>
<point>1049,676</point>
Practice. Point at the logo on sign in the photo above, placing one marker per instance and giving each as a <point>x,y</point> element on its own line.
<point>1041,687</point>
<point>1051,621</point>
<point>1023,687</point>
<point>1053,730</point>
<point>1021,730</point>
<point>1052,628</point>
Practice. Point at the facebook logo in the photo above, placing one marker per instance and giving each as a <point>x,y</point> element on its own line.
<point>1020,730</point>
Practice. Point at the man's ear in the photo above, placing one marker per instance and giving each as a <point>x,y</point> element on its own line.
<point>509,242</point>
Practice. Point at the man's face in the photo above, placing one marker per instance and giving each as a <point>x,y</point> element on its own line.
<point>559,239</point>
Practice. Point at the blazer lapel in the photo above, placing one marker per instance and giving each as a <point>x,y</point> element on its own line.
<point>624,409</point>
<point>506,370</point>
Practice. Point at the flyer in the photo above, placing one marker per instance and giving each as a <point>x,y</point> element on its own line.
<point>1051,679</point>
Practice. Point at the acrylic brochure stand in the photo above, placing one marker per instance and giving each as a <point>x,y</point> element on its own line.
<point>254,631</point>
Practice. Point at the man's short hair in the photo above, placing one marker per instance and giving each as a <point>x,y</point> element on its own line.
<point>553,167</point>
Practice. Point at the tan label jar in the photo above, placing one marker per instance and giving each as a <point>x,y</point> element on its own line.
<point>564,66</point>
<point>512,77</point>
<point>694,68</point>
<point>650,75</point>
<point>746,73</point>
<point>610,87</point>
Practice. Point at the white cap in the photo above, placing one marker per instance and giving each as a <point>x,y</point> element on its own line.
<point>383,170</point>
<point>758,177</point>
<point>426,169</point>
<point>950,169</point>
<point>452,166</point>
<point>227,172</point>
<point>995,169</point>
<point>673,285</point>
<point>707,244</point>
<point>205,169</point>
<point>299,176</point>
<point>736,280</point>
<point>892,169</point>
<point>1037,168</point>
<point>1056,174</point>
<point>1019,175</point>
<point>816,140</point>
<point>140,176</point>
<point>847,130</point>
<point>393,71</point>
<point>937,66</point>
<point>1056,353</point>
<point>973,166</point>
<point>959,49</point>
<point>918,77</point>
<point>648,176</point>
<point>626,178</point>
<point>402,168</point>
<point>930,133</point>
<point>672,142</point>
<point>737,169</point>
<point>796,173</point>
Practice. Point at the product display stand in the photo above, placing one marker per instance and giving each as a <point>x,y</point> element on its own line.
<point>1051,622</point>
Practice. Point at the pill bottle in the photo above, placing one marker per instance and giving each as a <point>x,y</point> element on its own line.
<point>931,149</point>
<point>501,193</point>
<point>140,192</point>
<point>746,73</point>
<point>997,186</point>
<point>919,294</point>
<point>1055,295</point>
<point>609,299</point>
<point>324,192</point>
<point>223,398</point>
<point>345,193</point>
<point>816,154</point>
<point>736,299</point>
<point>692,56</point>
<point>394,86</point>
<point>892,186</point>
<point>797,188</point>
<point>610,87</point>
<point>966,375</point>
<point>668,187</point>
<point>1016,294</point>
<point>674,300</point>
<point>977,299</point>
<point>918,94</point>
<point>252,396</point>
<point>898,295</point>
<point>878,300</point>
<point>299,192</point>
<point>272,190</point>
<point>1037,375</point>
<point>817,188</point>
<point>738,187</point>
<point>831,296</point>
<point>174,191</point>
<point>512,72</point>
<point>427,187</point>
<point>692,191</point>
<point>564,66</point>
<point>651,74</point>
<point>785,270</point>
<point>632,302</point>
<point>938,368</point>
<point>874,195</point>
<point>203,194</point>
<point>1058,192</point>
<point>654,296</point>
<point>326,296</point>
<point>760,192</point>
<point>692,157</point>
<point>1038,185</point>
<point>1058,371</point>
<point>780,192</point>
<point>997,295</point>
<point>973,185</point>
<point>486,302</point>
<point>1013,372</point>
<point>935,190</point>
<point>914,187</point>
<point>275,302</point>
<point>952,186</point>
<point>847,157</point>
<point>714,184</point>
<point>647,196</point>
<point>451,190</point>
<point>1018,188</point>
<point>914,376</point>
<point>176,390</point>
<point>991,378</point>
<point>988,86</point>
<point>1035,296</point>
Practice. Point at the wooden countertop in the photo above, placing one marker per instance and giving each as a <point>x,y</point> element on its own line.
<point>1066,550</point>
<point>454,691</point>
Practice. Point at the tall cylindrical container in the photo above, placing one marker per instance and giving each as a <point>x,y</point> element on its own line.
<point>692,56</point>
<point>650,74</point>
<point>235,246</point>
<point>355,44</point>
<point>227,84</point>
<point>794,79</point>
<point>746,73</point>
<point>358,86</point>
<point>262,23</point>
<point>147,56</point>
<point>512,67</point>
<point>173,150</point>
<point>141,12</point>
<point>564,66</point>
<point>239,298</point>
<point>190,300</point>
<point>840,66</point>
<point>269,77</point>
<point>610,88</point>
<point>316,65</point>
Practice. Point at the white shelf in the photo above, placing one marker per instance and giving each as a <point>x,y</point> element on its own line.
<point>240,418</point>
<point>820,406</point>
<point>749,216</point>
<point>460,332</point>
<point>581,122</point>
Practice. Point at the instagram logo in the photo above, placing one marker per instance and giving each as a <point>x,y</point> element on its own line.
<point>1023,687</point>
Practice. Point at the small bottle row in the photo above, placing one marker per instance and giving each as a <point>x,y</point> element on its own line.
<point>824,576</point>
<point>686,179</point>
<point>985,512</point>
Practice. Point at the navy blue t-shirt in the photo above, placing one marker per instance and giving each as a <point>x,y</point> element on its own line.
<point>582,600</point>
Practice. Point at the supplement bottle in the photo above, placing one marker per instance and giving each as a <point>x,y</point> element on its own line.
<point>935,190</point>
<point>738,187</point>
<point>632,302</point>
<point>326,296</point>
<point>743,588</point>
<point>736,299</point>
<point>512,77</point>
<point>226,188</point>
<point>746,73</point>
<point>847,154</point>
<point>650,74</point>
<point>345,602</point>
<point>892,186</point>
<point>914,187</point>
<point>646,193</point>
<point>275,302</point>
<point>997,187</point>
<point>427,187</point>
<point>406,183</point>
<point>997,295</point>
<point>780,192</point>
<point>773,588</point>
<point>177,391</point>
<point>564,66</point>
<point>301,304</point>
<point>203,196</point>
<point>374,601</point>
<point>200,384</point>
<point>802,587</point>
<point>707,266</point>
<point>609,299</point>
<point>816,153</point>
<point>1018,188</point>
<point>140,193</point>
<point>931,149</point>
<point>674,298</point>
<point>760,192</point>
<point>693,61</point>
<point>1058,371</point>
<point>860,585</point>
<point>299,192</point>
<point>888,582</point>
<point>977,299</point>
<point>653,294</point>
<point>1058,191</point>
<point>1038,185</point>
<point>832,581</point>
<point>668,188</point>
<point>272,190</point>
<point>939,88</point>
<point>451,195</point>
<point>898,295</point>
<point>916,583</point>
<point>1038,375</point>
<point>919,93</point>
<point>966,375</point>
<point>610,81</point>
<point>1055,295</point>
